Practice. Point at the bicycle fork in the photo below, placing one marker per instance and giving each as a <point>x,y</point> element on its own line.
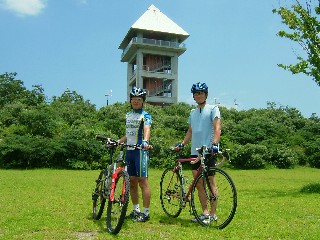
<point>114,180</point>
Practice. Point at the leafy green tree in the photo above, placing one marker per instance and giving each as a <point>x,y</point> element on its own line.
<point>10,114</point>
<point>35,133</point>
<point>11,89</point>
<point>72,109</point>
<point>112,118</point>
<point>304,26</point>
<point>313,153</point>
<point>283,157</point>
<point>39,121</point>
<point>250,156</point>
<point>25,152</point>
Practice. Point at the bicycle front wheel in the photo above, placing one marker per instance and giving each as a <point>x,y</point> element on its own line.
<point>218,195</point>
<point>171,192</point>
<point>98,199</point>
<point>118,204</point>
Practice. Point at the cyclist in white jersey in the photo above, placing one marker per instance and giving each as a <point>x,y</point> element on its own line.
<point>204,129</point>
<point>138,124</point>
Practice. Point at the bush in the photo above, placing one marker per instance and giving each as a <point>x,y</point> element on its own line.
<point>313,153</point>
<point>81,149</point>
<point>283,157</point>
<point>314,160</point>
<point>60,133</point>
<point>25,152</point>
<point>311,188</point>
<point>250,156</point>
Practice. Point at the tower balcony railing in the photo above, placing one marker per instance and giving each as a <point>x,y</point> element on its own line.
<point>159,67</point>
<point>160,91</point>
<point>153,42</point>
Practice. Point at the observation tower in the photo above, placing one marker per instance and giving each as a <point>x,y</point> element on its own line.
<point>151,48</point>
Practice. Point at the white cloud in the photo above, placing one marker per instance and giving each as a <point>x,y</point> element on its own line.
<point>24,7</point>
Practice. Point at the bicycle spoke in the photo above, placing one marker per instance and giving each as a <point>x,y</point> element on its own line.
<point>171,192</point>
<point>98,200</point>
<point>222,203</point>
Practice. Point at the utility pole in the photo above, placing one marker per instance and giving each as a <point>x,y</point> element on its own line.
<point>236,104</point>
<point>108,94</point>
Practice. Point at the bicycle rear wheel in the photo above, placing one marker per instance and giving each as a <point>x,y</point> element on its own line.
<point>171,192</point>
<point>223,200</point>
<point>116,211</point>
<point>98,199</point>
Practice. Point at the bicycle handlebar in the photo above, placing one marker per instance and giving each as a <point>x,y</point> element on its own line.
<point>204,150</point>
<point>110,143</point>
<point>99,137</point>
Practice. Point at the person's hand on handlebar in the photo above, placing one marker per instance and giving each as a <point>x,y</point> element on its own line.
<point>145,145</point>
<point>214,148</point>
<point>179,147</point>
<point>111,143</point>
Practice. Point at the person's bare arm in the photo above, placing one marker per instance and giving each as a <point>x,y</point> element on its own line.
<point>187,137</point>
<point>217,130</point>
<point>146,132</point>
<point>123,139</point>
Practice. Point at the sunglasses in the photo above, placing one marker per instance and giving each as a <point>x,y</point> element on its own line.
<point>198,93</point>
<point>137,99</point>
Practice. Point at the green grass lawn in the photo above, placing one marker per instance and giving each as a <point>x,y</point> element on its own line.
<point>56,204</point>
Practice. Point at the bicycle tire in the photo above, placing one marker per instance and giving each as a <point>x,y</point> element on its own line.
<point>116,211</point>
<point>171,192</point>
<point>98,198</point>
<point>226,204</point>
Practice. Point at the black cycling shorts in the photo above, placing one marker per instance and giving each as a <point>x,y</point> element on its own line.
<point>210,162</point>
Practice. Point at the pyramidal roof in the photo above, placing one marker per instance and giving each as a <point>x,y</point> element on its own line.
<point>154,20</point>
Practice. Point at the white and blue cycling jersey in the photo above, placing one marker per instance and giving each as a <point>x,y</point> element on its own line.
<point>135,121</point>
<point>137,160</point>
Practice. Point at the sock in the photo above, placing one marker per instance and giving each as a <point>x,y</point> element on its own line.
<point>136,207</point>
<point>146,211</point>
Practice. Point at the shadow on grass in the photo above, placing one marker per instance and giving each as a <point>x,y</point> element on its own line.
<point>101,223</point>
<point>311,188</point>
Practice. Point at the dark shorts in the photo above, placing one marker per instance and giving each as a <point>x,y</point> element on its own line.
<point>210,162</point>
<point>137,162</point>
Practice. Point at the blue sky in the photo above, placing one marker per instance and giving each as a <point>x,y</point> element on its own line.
<point>232,47</point>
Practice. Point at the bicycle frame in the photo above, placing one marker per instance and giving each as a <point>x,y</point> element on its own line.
<point>178,167</point>
<point>203,193</point>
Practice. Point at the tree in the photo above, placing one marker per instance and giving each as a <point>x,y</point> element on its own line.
<point>61,133</point>
<point>302,20</point>
<point>13,90</point>
<point>10,89</point>
<point>72,108</point>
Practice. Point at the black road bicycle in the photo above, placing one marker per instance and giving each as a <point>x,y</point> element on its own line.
<point>220,193</point>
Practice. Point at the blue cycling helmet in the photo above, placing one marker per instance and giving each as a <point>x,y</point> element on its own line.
<point>138,92</point>
<point>199,87</point>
